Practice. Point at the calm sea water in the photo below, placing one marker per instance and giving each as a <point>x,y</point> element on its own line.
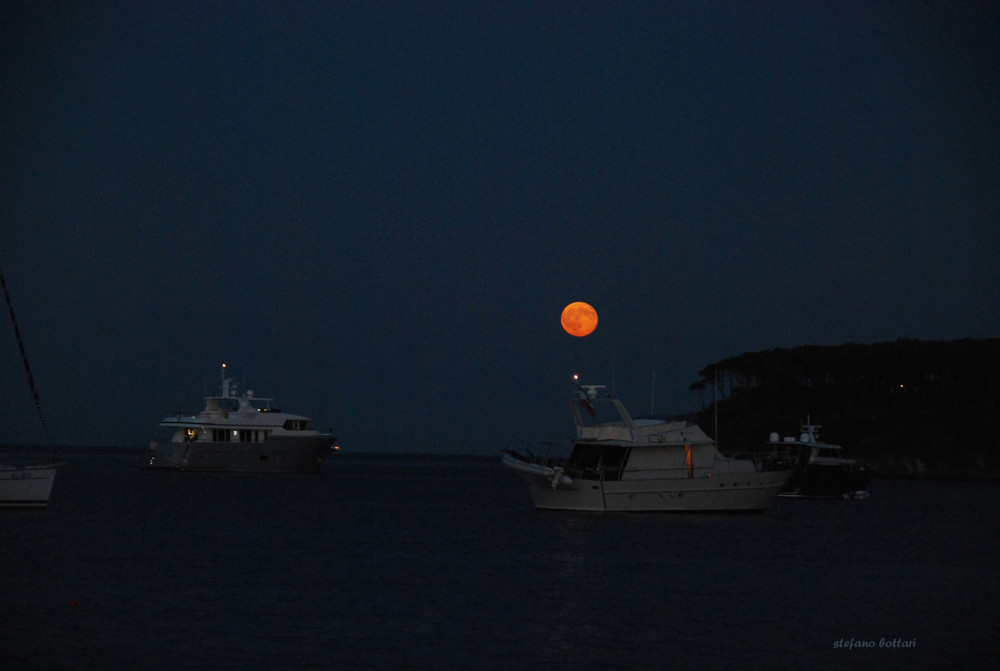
<point>421,563</point>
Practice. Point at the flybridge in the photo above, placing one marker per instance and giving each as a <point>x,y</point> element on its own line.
<point>601,417</point>
<point>230,390</point>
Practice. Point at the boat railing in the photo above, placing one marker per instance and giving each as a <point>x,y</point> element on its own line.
<point>533,453</point>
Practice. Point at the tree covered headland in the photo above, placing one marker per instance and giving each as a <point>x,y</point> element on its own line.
<point>906,408</point>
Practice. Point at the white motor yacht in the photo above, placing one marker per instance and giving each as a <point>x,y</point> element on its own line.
<point>240,433</point>
<point>618,463</point>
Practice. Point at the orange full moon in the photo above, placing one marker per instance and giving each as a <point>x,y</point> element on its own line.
<point>579,319</point>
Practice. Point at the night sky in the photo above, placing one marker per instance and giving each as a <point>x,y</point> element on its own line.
<point>375,212</point>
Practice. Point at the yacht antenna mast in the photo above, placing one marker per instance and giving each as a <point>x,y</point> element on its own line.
<point>652,395</point>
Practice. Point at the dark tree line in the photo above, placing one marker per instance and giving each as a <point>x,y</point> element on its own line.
<point>907,407</point>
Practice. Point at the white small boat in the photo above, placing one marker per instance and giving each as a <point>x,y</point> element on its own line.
<point>240,434</point>
<point>618,463</point>
<point>27,486</point>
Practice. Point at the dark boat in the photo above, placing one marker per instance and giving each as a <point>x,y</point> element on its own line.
<point>821,471</point>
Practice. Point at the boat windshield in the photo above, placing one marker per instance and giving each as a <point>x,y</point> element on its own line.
<point>595,462</point>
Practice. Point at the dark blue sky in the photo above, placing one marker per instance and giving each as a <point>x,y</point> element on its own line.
<point>375,212</point>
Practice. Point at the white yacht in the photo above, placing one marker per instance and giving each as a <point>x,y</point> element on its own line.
<point>619,463</point>
<point>240,433</point>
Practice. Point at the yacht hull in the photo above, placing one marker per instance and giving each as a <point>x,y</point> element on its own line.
<point>824,482</point>
<point>26,486</point>
<point>749,492</point>
<point>298,454</point>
